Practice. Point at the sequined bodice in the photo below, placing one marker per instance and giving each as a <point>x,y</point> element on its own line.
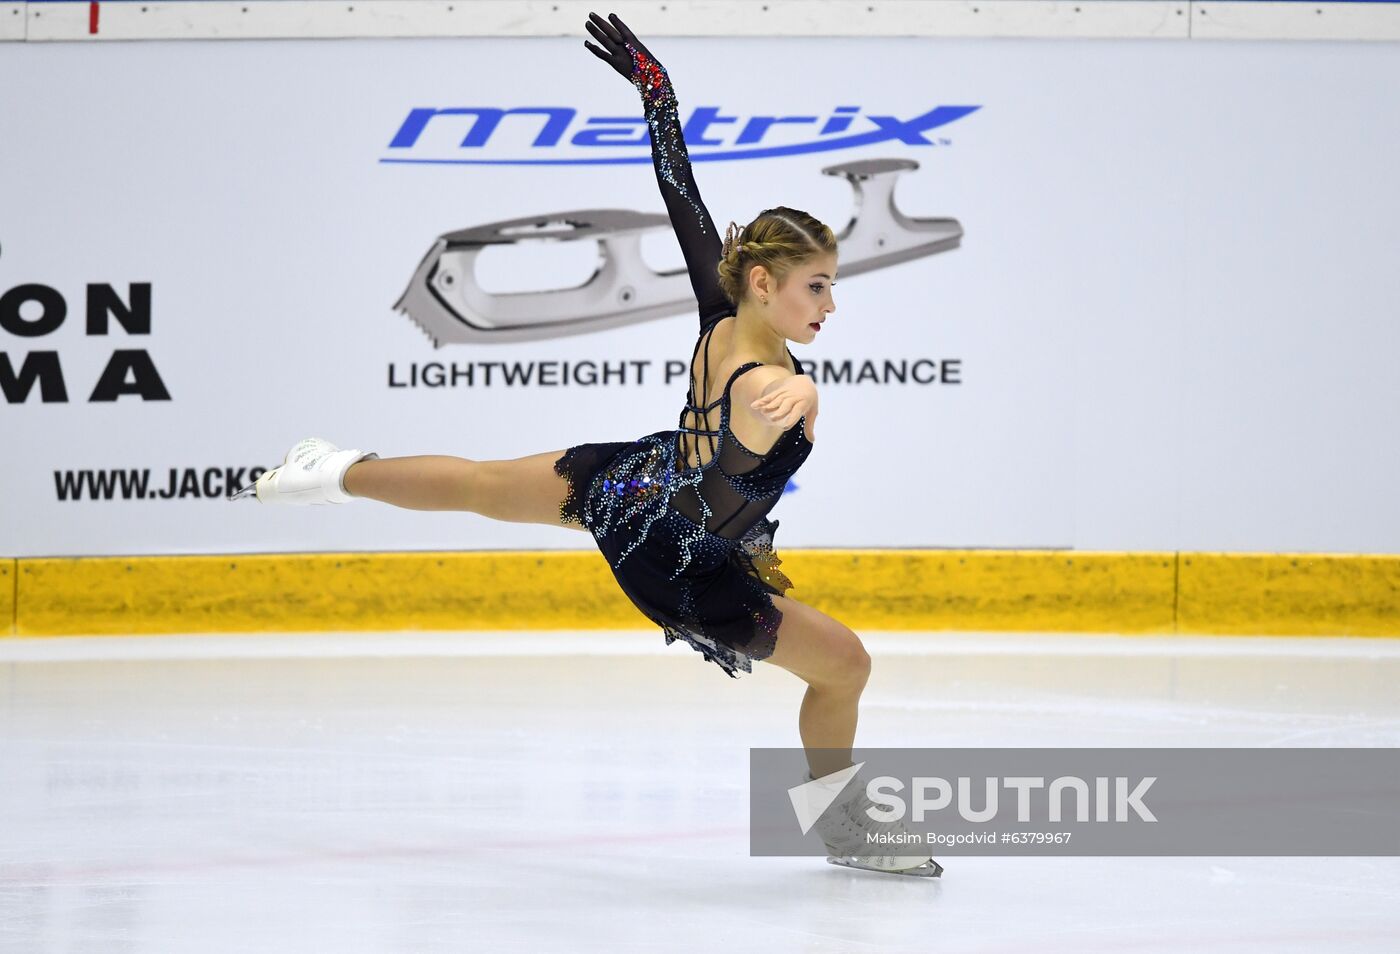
<point>793,439</point>
<point>736,487</point>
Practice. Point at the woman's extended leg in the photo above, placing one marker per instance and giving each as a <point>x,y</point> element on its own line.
<point>523,490</point>
<point>830,658</point>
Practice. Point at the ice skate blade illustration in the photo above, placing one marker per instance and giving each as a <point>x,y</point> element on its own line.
<point>445,300</point>
<point>879,235</point>
<point>929,869</point>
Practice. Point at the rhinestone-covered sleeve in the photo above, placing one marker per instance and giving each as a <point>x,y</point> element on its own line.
<point>695,230</point>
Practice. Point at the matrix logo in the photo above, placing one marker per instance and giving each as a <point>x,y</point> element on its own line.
<point>428,135</point>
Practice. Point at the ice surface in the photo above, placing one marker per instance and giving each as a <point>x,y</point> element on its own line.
<point>425,792</point>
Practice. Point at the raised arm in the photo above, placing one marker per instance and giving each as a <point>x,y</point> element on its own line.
<point>695,231</point>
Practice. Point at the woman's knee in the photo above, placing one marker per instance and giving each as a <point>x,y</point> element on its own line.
<point>846,665</point>
<point>858,661</point>
<point>824,652</point>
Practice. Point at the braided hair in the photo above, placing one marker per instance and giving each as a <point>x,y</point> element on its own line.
<point>780,239</point>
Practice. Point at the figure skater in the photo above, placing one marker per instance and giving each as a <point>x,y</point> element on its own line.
<point>681,515</point>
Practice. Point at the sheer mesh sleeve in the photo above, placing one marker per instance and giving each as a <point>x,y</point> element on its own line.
<point>695,231</point>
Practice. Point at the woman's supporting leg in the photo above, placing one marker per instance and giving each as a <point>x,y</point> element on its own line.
<point>831,659</point>
<point>523,490</point>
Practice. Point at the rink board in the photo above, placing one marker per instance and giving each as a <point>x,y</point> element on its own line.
<point>1057,591</point>
<point>1137,345</point>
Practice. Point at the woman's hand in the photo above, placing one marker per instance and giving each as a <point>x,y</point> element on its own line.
<point>615,38</point>
<point>793,398</point>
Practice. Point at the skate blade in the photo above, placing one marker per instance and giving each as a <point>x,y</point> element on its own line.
<point>929,869</point>
<point>250,491</point>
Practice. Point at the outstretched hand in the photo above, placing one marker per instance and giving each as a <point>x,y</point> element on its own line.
<point>614,36</point>
<point>794,398</point>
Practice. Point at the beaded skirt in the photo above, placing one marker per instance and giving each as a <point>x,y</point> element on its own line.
<point>712,592</point>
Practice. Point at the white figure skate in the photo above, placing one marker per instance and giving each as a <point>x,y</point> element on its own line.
<point>843,829</point>
<point>313,472</point>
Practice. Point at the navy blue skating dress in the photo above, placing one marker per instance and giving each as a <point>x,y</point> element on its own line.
<point>690,543</point>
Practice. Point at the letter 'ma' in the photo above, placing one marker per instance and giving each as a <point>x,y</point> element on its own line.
<point>484,123</point>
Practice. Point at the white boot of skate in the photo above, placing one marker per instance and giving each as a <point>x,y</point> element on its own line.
<point>313,472</point>
<point>843,828</point>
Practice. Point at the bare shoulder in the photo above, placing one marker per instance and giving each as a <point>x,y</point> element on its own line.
<point>749,386</point>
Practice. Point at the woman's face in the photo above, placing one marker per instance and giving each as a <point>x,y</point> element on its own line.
<point>804,300</point>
